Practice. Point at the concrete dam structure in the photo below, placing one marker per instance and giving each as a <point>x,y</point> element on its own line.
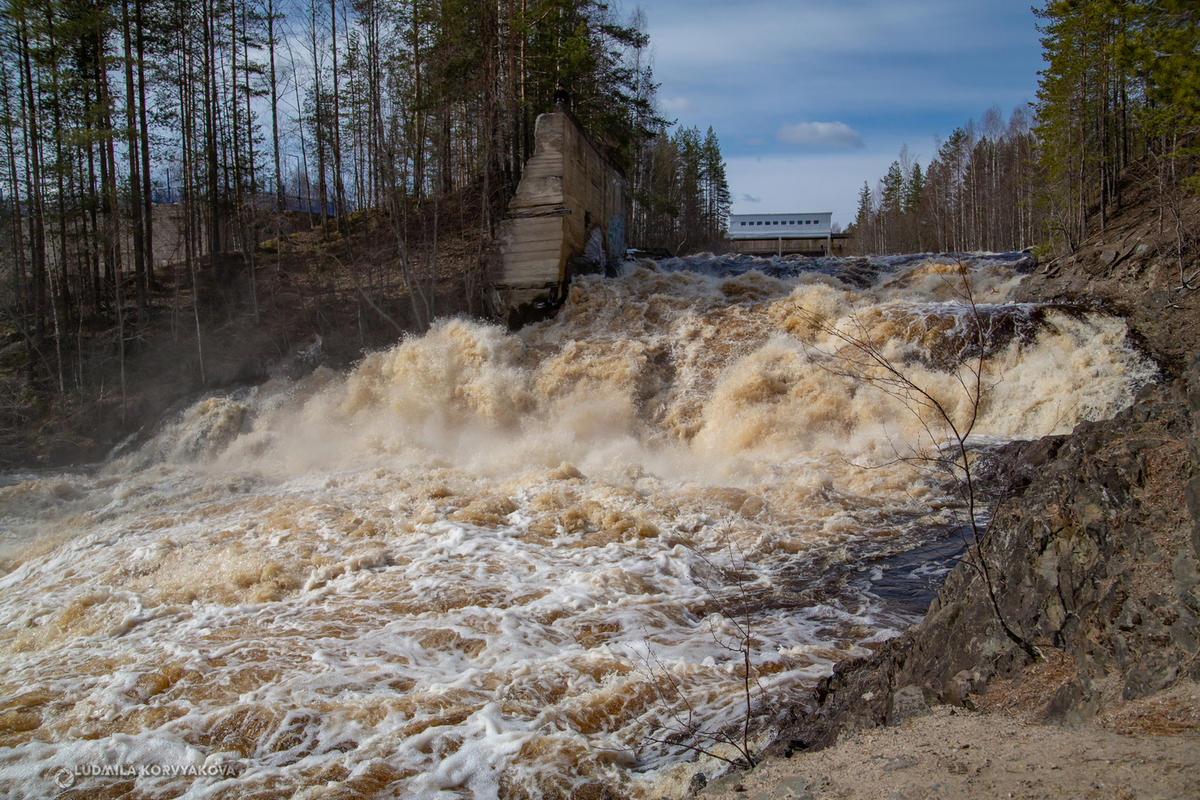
<point>567,217</point>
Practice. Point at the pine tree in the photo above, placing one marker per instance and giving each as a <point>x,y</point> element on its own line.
<point>864,220</point>
<point>691,191</point>
<point>910,199</point>
<point>716,188</point>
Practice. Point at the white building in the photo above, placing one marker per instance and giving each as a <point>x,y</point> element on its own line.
<point>786,226</point>
<point>807,233</point>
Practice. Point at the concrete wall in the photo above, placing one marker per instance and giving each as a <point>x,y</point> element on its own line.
<point>567,216</point>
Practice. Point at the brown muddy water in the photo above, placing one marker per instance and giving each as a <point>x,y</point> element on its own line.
<point>477,564</point>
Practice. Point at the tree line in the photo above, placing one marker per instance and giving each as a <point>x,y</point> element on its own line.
<point>233,108</point>
<point>681,193</point>
<point>975,193</point>
<point>1118,99</point>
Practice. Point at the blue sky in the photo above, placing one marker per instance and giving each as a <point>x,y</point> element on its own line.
<point>810,99</point>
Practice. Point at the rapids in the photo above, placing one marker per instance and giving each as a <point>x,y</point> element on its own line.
<point>487,564</point>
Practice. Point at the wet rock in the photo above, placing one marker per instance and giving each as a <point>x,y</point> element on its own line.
<point>1091,551</point>
<point>857,695</point>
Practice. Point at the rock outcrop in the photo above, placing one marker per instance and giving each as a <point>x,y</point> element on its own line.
<point>1093,546</point>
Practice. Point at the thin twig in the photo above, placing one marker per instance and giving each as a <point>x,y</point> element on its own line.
<point>866,362</point>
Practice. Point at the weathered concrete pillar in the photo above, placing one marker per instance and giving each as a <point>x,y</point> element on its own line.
<point>570,195</point>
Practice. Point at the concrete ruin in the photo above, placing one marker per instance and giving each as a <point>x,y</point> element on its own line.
<point>567,217</point>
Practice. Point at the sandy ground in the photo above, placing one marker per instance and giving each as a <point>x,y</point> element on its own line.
<point>1146,750</point>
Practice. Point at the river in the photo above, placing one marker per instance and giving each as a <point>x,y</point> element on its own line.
<point>491,564</point>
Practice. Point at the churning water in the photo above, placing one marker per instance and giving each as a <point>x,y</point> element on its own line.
<point>487,564</point>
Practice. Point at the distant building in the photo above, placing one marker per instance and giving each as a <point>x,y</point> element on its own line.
<point>798,233</point>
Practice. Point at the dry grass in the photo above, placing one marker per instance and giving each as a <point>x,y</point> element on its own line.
<point>1170,713</point>
<point>1026,695</point>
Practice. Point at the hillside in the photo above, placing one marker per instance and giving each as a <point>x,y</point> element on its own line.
<point>313,297</point>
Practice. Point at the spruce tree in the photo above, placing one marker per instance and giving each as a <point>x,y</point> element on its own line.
<point>716,188</point>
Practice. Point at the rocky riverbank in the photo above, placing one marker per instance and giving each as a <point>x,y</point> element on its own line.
<point>1093,551</point>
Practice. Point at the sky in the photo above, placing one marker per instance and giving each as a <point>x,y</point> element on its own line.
<point>809,99</point>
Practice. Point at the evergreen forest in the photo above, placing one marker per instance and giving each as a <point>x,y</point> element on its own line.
<point>1118,106</point>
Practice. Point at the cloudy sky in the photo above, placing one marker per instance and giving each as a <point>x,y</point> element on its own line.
<point>810,99</point>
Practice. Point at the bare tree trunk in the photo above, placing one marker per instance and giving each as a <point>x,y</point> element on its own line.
<point>247,71</point>
<point>279,199</point>
<point>318,106</point>
<point>63,293</point>
<point>18,225</point>
<point>235,128</point>
<point>148,215</point>
<point>303,163</point>
<point>418,112</point>
<point>191,232</point>
<point>33,189</point>
<point>136,209</point>
<point>210,133</point>
<point>108,168</point>
<point>97,291</point>
<point>247,229</point>
<point>336,121</point>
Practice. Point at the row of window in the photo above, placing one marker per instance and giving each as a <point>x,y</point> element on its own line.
<point>782,222</point>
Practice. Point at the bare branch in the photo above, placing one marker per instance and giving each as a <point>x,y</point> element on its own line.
<point>867,363</point>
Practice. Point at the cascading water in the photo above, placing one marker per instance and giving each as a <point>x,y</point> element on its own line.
<point>478,564</point>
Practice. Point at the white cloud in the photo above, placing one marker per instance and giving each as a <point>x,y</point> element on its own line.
<point>676,105</point>
<point>825,135</point>
<point>749,198</point>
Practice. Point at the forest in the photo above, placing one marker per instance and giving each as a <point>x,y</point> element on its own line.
<point>1118,104</point>
<point>157,154</point>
